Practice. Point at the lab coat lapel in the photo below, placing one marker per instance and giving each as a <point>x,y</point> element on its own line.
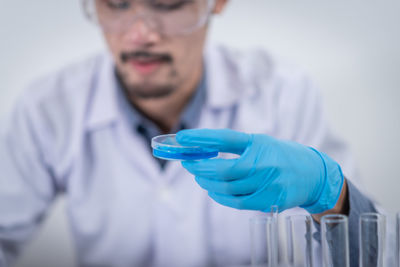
<point>223,81</point>
<point>235,87</point>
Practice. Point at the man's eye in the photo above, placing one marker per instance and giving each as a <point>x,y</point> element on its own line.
<point>169,5</point>
<point>122,5</point>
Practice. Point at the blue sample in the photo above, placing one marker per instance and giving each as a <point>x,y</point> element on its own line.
<point>166,147</point>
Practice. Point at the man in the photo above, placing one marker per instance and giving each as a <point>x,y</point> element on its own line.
<point>86,132</point>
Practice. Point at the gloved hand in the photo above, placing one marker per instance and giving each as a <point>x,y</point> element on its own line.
<point>268,172</point>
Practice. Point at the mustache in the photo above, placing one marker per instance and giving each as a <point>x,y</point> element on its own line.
<point>144,55</point>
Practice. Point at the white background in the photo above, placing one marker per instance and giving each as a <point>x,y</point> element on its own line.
<point>350,48</point>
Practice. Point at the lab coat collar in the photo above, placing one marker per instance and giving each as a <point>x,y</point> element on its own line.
<point>104,105</point>
<point>224,82</point>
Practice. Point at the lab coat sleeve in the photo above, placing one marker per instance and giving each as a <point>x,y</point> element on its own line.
<point>26,183</point>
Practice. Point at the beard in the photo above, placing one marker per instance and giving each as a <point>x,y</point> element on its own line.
<point>144,91</point>
<point>147,89</point>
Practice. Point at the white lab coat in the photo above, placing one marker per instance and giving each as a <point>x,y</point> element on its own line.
<point>67,133</point>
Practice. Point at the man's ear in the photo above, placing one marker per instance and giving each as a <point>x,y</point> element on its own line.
<point>219,6</point>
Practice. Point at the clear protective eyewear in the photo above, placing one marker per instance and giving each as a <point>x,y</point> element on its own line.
<point>168,17</point>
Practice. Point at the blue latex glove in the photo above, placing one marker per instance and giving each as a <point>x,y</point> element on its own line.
<point>268,172</point>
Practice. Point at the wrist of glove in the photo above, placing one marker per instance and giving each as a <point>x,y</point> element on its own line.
<point>331,189</point>
<point>267,172</point>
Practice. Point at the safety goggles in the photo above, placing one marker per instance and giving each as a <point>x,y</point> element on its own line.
<point>168,17</point>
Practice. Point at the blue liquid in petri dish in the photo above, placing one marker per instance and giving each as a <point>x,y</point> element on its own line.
<point>183,156</point>
<point>166,147</point>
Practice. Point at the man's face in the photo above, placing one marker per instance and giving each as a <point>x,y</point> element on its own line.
<point>151,64</point>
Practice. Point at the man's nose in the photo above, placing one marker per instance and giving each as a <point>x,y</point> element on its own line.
<point>142,32</point>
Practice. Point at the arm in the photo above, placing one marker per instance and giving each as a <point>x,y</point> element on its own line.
<point>341,207</point>
<point>26,185</point>
<point>351,203</point>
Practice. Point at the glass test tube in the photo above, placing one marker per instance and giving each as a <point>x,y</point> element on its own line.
<point>263,242</point>
<point>398,239</point>
<point>275,235</point>
<point>299,240</point>
<point>372,239</point>
<point>335,241</point>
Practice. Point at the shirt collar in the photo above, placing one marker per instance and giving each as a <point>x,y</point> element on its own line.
<point>189,118</point>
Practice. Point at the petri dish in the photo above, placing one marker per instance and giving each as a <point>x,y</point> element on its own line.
<point>166,147</point>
